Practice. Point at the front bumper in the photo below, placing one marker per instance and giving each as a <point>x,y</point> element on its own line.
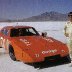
<point>52,60</point>
<point>56,58</point>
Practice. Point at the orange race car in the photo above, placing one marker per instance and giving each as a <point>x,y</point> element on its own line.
<point>24,43</point>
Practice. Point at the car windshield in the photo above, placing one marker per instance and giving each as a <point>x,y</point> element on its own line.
<point>23,32</point>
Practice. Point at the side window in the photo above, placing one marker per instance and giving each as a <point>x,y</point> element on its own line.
<point>5,31</point>
<point>32,31</point>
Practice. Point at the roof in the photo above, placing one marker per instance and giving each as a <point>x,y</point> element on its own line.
<point>10,27</point>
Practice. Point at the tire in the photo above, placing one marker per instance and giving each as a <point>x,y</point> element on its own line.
<point>67,59</point>
<point>11,53</point>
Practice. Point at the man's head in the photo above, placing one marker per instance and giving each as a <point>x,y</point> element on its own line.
<point>70,16</point>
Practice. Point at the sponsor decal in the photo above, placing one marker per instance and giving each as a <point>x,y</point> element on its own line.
<point>49,51</point>
<point>25,41</point>
<point>37,55</point>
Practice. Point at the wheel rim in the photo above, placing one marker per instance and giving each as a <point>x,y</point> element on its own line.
<point>12,55</point>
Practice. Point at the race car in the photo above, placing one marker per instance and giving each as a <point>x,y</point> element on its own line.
<point>25,44</point>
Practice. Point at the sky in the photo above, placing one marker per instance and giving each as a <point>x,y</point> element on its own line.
<point>19,9</point>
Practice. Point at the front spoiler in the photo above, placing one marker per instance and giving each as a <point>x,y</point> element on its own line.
<point>51,61</point>
<point>56,58</point>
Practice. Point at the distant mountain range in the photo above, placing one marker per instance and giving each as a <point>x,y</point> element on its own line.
<point>47,16</point>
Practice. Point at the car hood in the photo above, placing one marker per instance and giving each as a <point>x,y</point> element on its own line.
<point>37,44</point>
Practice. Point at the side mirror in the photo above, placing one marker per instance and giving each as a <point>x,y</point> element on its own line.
<point>44,34</point>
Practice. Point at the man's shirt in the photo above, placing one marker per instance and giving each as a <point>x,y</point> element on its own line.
<point>68,26</point>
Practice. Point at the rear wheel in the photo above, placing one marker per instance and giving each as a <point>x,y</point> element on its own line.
<point>11,53</point>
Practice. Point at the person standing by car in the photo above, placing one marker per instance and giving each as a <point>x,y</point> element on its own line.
<point>68,33</point>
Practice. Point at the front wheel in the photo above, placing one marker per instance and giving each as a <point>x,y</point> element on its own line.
<point>11,53</point>
<point>67,59</point>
